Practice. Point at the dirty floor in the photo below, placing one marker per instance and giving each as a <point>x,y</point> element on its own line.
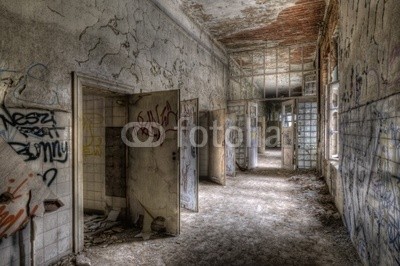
<point>263,217</point>
<point>270,159</point>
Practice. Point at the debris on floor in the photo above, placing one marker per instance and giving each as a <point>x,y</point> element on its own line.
<point>81,260</point>
<point>261,217</point>
<point>101,229</point>
<point>316,191</point>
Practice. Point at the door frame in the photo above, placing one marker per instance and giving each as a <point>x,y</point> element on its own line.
<point>78,81</point>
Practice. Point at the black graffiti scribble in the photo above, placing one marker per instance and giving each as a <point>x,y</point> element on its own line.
<point>37,76</point>
<point>19,119</point>
<point>40,132</point>
<point>167,118</point>
<point>35,124</point>
<point>54,151</point>
<point>49,176</point>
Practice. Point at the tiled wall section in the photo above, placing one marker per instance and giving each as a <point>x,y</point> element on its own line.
<point>10,251</point>
<point>52,233</point>
<point>371,173</point>
<point>369,74</point>
<point>307,135</point>
<point>99,112</point>
<point>93,153</point>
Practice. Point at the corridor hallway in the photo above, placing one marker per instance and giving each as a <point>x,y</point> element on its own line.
<point>264,217</point>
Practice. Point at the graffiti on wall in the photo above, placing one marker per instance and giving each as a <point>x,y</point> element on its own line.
<point>93,142</point>
<point>163,115</point>
<point>371,179</point>
<point>33,87</point>
<point>22,194</point>
<point>32,145</point>
<point>36,137</point>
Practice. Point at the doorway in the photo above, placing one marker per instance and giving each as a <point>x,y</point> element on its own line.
<point>270,156</point>
<point>104,114</point>
<point>290,134</point>
<point>142,176</point>
<point>299,134</point>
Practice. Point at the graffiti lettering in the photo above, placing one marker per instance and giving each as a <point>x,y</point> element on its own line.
<point>167,118</point>
<point>92,144</point>
<point>33,118</point>
<point>39,125</point>
<point>34,88</point>
<point>54,151</point>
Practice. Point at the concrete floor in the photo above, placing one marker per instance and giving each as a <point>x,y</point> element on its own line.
<point>264,217</point>
<point>272,158</point>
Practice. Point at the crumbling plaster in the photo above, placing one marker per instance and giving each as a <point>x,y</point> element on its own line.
<point>128,42</point>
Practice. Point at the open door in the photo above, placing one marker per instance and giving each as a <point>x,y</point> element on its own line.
<point>230,150</point>
<point>203,149</point>
<point>216,141</point>
<point>153,177</point>
<point>189,155</point>
<point>252,139</point>
<point>288,134</point>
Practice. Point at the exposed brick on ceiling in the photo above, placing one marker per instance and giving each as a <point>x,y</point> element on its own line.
<point>294,25</point>
<point>223,18</point>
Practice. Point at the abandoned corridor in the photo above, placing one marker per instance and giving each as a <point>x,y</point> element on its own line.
<point>262,217</point>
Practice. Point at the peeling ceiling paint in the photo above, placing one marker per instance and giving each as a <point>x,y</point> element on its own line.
<point>240,24</point>
<point>224,18</point>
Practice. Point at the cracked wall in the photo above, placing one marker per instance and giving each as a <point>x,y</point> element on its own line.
<point>126,42</point>
<point>369,64</point>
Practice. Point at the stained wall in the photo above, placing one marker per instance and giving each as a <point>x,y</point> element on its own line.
<point>127,42</point>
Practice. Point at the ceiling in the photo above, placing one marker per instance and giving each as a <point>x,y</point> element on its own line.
<point>258,33</point>
<point>245,24</point>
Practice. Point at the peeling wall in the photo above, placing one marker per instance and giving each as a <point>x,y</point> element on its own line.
<point>127,42</point>
<point>369,64</point>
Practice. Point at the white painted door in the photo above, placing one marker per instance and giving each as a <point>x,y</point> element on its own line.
<point>288,134</point>
<point>232,138</point>
<point>153,176</point>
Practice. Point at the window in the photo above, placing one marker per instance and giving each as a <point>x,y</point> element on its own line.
<point>310,85</point>
<point>333,129</point>
<point>287,116</point>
